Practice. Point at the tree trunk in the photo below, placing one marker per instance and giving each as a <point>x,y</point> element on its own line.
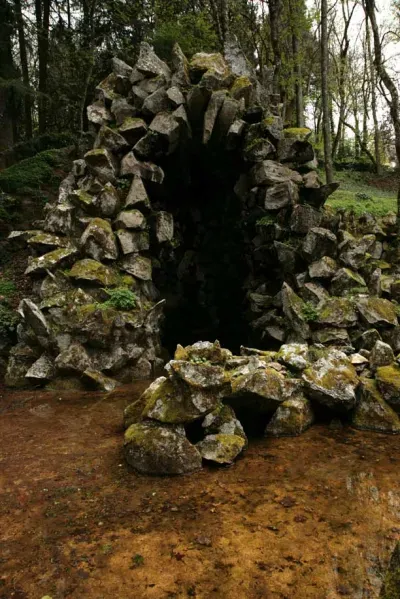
<point>42,24</point>
<point>325,92</point>
<point>24,69</point>
<point>377,134</point>
<point>392,97</point>
<point>275,20</point>
<point>7,71</point>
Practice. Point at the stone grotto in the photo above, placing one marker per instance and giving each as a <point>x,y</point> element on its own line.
<point>198,215</point>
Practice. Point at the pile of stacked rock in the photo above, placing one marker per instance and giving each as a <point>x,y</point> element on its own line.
<point>312,276</point>
<point>284,389</point>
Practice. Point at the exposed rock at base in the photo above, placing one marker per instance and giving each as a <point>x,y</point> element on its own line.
<point>293,417</point>
<point>388,380</point>
<point>152,448</point>
<point>221,448</point>
<point>372,413</point>
<point>332,381</point>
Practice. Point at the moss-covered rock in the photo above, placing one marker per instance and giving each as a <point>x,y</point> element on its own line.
<point>388,380</point>
<point>337,312</point>
<point>294,355</point>
<point>94,271</point>
<point>152,448</point>
<point>291,418</point>
<point>377,311</point>
<point>51,260</point>
<point>347,280</point>
<point>222,449</point>
<point>325,268</point>
<point>294,310</point>
<point>332,381</point>
<point>372,413</point>
<point>203,351</point>
<point>98,240</point>
<point>223,420</point>
<point>260,390</point>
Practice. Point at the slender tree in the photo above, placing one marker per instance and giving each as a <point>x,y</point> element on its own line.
<point>24,68</point>
<point>42,13</point>
<point>325,92</point>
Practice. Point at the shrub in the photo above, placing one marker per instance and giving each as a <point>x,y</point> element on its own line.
<point>193,33</point>
<point>310,313</point>
<point>7,288</point>
<point>8,320</point>
<point>120,298</point>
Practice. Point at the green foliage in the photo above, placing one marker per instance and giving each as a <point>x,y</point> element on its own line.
<point>193,32</point>
<point>310,313</point>
<point>363,196</point>
<point>121,298</point>
<point>34,172</point>
<point>8,206</point>
<point>8,320</point>
<point>7,288</point>
<point>123,183</point>
<point>48,141</point>
<point>137,560</point>
<point>265,221</point>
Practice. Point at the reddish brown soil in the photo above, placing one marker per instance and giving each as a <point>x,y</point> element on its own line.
<point>309,518</point>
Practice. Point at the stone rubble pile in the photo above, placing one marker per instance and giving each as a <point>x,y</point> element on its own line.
<point>208,385</point>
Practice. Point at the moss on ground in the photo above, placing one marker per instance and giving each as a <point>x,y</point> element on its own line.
<point>34,172</point>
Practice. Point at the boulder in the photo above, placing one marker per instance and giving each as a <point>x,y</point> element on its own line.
<point>98,240</point>
<point>180,67</point>
<point>123,112</point>
<point>202,376</point>
<point>258,150</point>
<point>294,355</point>
<point>130,219</point>
<point>150,65</point>
<point>368,339</point>
<point>203,351</point>
<point>46,241</point>
<point>313,293</point>
<point>223,420</point>
<point>318,243</point>
<point>280,196</point>
<point>51,260</point>
<point>133,129</point>
<point>214,106</point>
<point>138,266</point>
<point>164,226</point>
<point>34,317</point>
<point>332,381</point>
<point>293,417</point>
<point>95,272</point>
<point>372,413</point>
<point>235,133</point>
<point>221,448</point>
<point>388,381</point>
<point>325,268</point>
<point>294,310</point>
<point>42,370</point>
<point>296,152</point>
<point>304,218</point>
<point>202,62</point>
<point>375,311</point>
<point>133,241</point>
<point>20,360</point>
<point>381,355</point>
<point>287,257</point>
<point>260,390</point>
<point>101,164</point>
<point>337,312</point>
<point>156,102</point>
<point>166,128</point>
<point>137,195</point>
<point>111,140</point>
<point>153,448</point>
<point>347,281</point>
<point>130,165</point>
<point>74,359</point>
<point>226,116</point>
<point>331,336</point>
<point>242,89</point>
<point>98,114</point>
<point>269,172</point>
<point>317,196</point>
<point>99,381</point>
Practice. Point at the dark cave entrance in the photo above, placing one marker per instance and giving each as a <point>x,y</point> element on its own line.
<point>202,278</point>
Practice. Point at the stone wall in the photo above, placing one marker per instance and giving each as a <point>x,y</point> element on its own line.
<point>194,192</point>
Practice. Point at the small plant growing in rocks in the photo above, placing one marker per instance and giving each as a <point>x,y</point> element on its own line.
<point>120,298</point>
<point>310,313</point>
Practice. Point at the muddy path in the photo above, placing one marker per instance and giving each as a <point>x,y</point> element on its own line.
<point>309,518</point>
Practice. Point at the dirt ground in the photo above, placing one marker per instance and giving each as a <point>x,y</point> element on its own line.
<point>314,517</point>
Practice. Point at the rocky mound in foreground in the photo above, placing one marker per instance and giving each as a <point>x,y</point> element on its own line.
<point>207,386</point>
